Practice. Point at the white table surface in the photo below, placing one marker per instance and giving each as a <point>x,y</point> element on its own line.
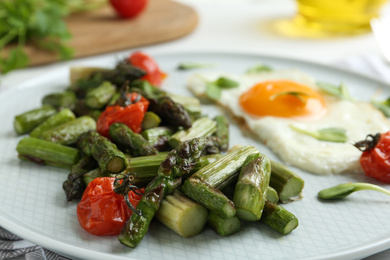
<point>241,26</point>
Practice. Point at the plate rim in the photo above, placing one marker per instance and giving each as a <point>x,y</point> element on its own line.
<point>378,245</point>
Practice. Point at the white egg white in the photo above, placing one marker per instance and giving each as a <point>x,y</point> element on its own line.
<point>319,157</point>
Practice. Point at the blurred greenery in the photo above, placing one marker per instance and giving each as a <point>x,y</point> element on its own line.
<point>37,22</point>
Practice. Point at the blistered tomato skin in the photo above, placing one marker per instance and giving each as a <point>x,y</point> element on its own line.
<point>376,161</point>
<point>153,73</point>
<point>101,211</point>
<point>131,115</point>
<point>129,8</point>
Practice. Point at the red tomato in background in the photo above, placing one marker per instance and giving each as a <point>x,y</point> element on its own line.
<point>131,115</point>
<point>101,211</point>
<point>153,73</point>
<point>376,161</point>
<point>128,8</point>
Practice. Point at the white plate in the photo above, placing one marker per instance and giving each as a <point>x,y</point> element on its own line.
<point>33,205</point>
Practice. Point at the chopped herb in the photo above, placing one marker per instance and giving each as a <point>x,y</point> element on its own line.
<point>296,94</point>
<point>213,91</point>
<point>193,65</point>
<point>214,88</point>
<point>259,68</point>
<point>224,82</point>
<point>331,134</point>
<point>340,91</point>
<point>383,106</point>
<point>343,190</point>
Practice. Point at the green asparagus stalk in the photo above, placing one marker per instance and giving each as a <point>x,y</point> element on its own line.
<point>222,133</point>
<point>219,172</point>
<point>109,157</point>
<point>74,186</point>
<point>81,109</point>
<point>278,218</point>
<point>95,173</point>
<point>158,137</point>
<point>122,73</point>
<point>286,182</point>
<point>204,185</point>
<point>182,160</point>
<point>87,78</point>
<point>146,168</point>
<point>150,120</point>
<point>68,133</point>
<point>191,105</point>
<point>224,226</point>
<point>95,114</point>
<point>66,99</point>
<point>114,99</point>
<point>86,140</point>
<point>202,127</point>
<point>209,197</point>
<point>289,183</point>
<point>219,140</point>
<point>179,162</point>
<point>134,143</point>
<point>206,160</point>
<point>27,121</point>
<point>61,117</point>
<point>251,189</point>
<point>47,153</point>
<point>272,195</point>
<point>137,225</point>
<point>170,112</point>
<point>80,73</point>
<point>146,89</point>
<point>182,215</point>
<point>98,97</point>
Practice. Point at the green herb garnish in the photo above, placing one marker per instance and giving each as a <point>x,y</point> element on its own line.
<point>298,95</point>
<point>213,91</point>
<point>226,83</point>
<point>343,190</point>
<point>193,65</point>
<point>214,88</point>
<point>383,106</point>
<point>259,68</point>
<point>331,134</point>
<point>39,23</point>
<point>340,91</point>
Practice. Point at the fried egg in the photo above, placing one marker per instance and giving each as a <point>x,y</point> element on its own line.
<point>271,102</point>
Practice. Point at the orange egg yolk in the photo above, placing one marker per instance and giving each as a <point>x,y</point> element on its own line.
<point>283,98</point>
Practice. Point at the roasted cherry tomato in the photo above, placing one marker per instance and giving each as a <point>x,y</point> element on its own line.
<point>101,211</point>
<point>375,159</point>
<point>131,115</point>
<point>153,74</point>
<point>128,8</point>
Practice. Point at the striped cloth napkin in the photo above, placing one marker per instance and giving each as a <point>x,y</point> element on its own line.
<point>12,246</point>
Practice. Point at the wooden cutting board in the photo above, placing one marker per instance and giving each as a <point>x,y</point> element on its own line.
<point>101,31</point>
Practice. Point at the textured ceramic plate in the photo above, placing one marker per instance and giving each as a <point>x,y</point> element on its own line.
<point>33,205</point>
